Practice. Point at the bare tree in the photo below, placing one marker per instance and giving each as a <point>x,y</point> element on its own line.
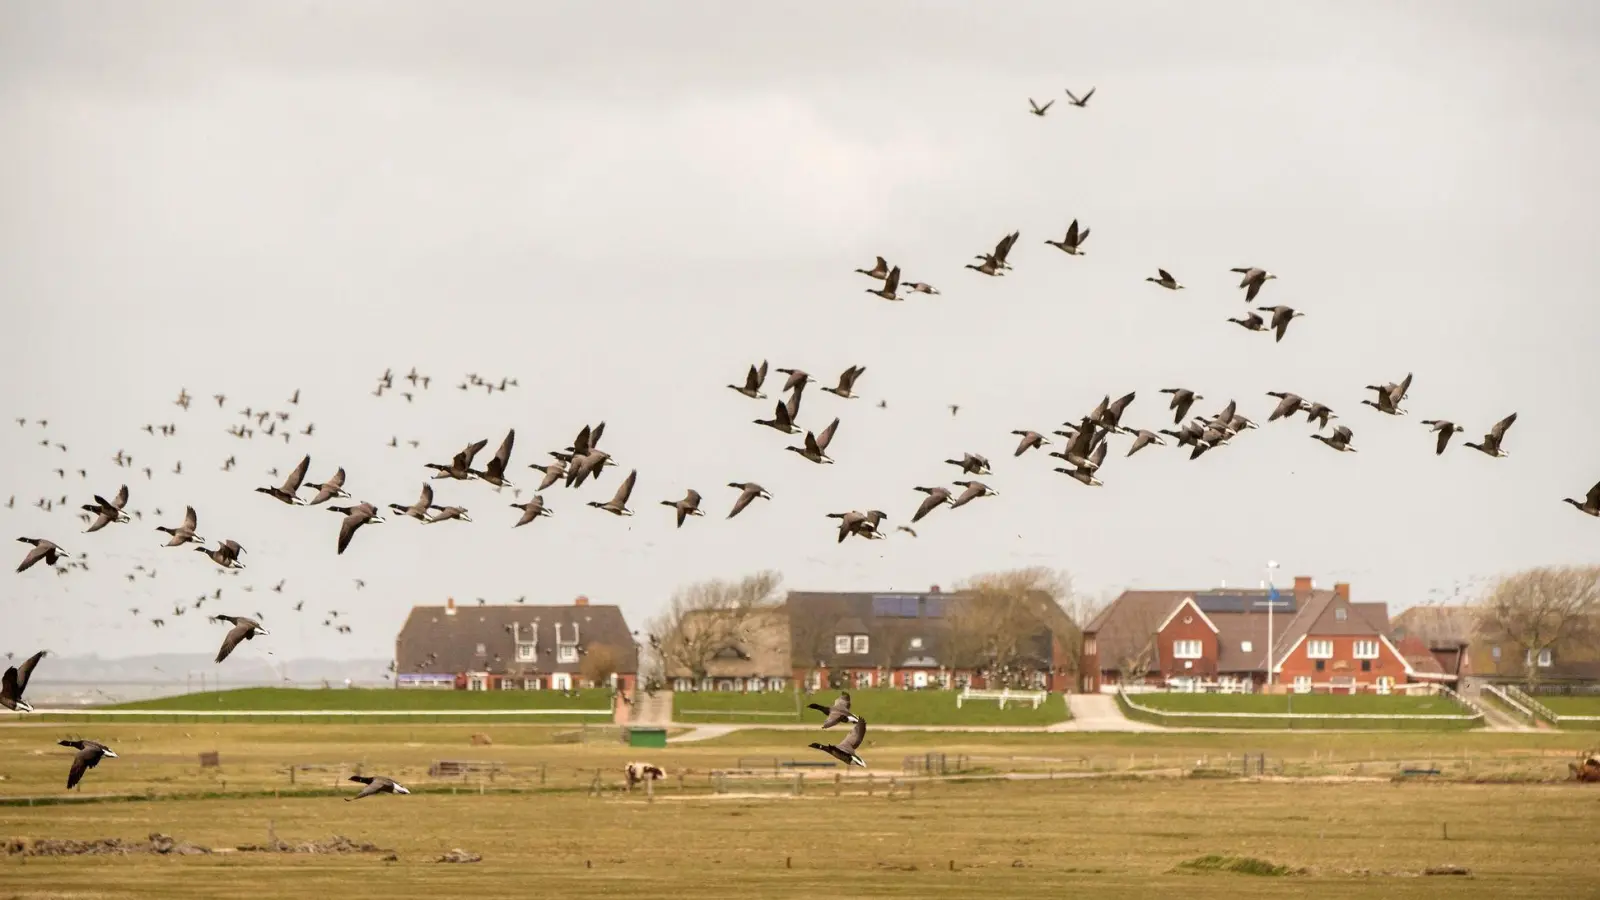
<point>706,617</point>
<point>811,627</point>
<point>599,664</point>
<point>1554,608</point>
<point>1000,620</point>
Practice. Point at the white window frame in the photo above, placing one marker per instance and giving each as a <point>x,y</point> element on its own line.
<point>860,644</point>
<point>919,679</point>
<point>1546,657</point>
<point>841,644</point>
<point>864,678</point>
<point>916,643</point>
<point>1321,648</point>
<point>1366,650</point>
<point>566,653</point>
<point>754,685</point>
<point>1302,684</point>
<point>527,652</point>
<point>560,681</point>
<point>1340,615</point>
<point>1384,684</point>
<point>1188,649</point>
<point>482,650</point>
<point>477,682</point>
<point>1245,647</point>
<point>507,684</point>
<point>774,684</point>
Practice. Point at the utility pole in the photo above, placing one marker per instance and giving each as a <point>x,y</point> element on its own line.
<point>1272,601</point>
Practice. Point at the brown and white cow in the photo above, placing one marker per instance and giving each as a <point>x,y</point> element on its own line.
<point>639,771</point>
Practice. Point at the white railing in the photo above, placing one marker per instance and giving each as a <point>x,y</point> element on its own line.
<point>1538,708</point>
<point>1450,692</point>
<point>1505,698</point>
<point>1004,696</point>
<point>1186,714</point>
<point>91,711</point>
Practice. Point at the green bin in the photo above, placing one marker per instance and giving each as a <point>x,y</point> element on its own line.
<point>647,737</point>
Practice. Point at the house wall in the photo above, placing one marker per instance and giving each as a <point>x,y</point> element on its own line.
<point>1342,664</point>
<point>1194,629</point>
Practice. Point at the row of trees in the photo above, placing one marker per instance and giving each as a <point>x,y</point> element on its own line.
<point>993,624</point>
<point>1554,608</point>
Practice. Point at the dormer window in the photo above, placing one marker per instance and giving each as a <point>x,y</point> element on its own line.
<point>1339,614</point>
<point>482,650</point>
<point>1245,646</point>
<point>916,643</point>
<point>841,644</point>
<point>527,644</point>
<point>860,643</point>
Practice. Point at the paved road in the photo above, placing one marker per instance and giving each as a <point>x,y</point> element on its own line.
<point>1099,712</point>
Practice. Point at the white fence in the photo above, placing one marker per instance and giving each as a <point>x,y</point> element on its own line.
<point>1507,699</point>
<point>1476,716</point>
<point>1543,711</point>
<point>1004,696</point>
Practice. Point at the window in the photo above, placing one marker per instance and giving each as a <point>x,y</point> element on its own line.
<point>755,685</point>
<point>1544,657</point>
<point>566,654</point>
<point>1302,684</point>
<point>1091,647</point>
<point>507,684</point>
<point>526,652</point>
<point>841,643</point>
<point>1245,646</point>
<point>530,684</point>
<point>1366,650</point>
<point>774,684</point>
<point>1339,614</point>
<point>1319,649</point>
<point>1186,650</point>
<point>1385,684</point>
<point>1366,665</point>
<point>477,683</point>
<point>561,681</point>
<point>481,650</point>
<point>916,643</point>
<point>1322,664</point>
<point>863,679</point>
<point>860,643</point>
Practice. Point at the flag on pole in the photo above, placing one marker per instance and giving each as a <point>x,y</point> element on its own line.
<point>1272,594</point>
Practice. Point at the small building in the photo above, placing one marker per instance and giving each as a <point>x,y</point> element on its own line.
<point>516,647</point>
<point>1443,632</point>
<point>1218,639</point>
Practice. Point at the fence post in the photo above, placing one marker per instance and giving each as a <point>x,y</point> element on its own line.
<point>838,783</point>
<point>649,790</point>
<point>869,784</point>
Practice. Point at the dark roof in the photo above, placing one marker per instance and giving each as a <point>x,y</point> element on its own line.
<point>1437,626</point>
<point>1416,653</point>
<point>890,620</point>
<point>435,641</point>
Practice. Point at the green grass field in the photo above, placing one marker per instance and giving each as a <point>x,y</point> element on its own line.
<point>1572,706</point>
<point>372,705</point>
<point>1282,710</point>
<point>1148,824</point>
<point>881,705</point>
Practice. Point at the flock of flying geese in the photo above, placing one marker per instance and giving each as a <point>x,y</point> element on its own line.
<point>1083,451</point>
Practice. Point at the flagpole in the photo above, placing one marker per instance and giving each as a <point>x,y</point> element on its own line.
<point>1272,601</point>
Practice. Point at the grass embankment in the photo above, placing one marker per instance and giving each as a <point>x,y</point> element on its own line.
<point>882,706</point>
<point>1566,707</point>
<point>1128,836</point>
<point>1392,712</point>
<point>551,707</point>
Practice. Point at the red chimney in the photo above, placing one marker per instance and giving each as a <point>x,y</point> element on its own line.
<point>1341,590</point>
<point>450,606</point>
<point>581,601</point>
<point>1302,585</point>
<point>933,589</point>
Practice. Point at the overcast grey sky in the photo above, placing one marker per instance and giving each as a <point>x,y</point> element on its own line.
<point>624,205</point>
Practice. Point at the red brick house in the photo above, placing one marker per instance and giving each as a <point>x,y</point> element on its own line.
<point>515,647</point>
<point>1218,639</point>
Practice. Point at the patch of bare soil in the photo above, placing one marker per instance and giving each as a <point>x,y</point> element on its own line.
<point>156,843</point>
<point>336,844</point>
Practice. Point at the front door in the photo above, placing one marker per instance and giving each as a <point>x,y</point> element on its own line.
<point>919,679</point>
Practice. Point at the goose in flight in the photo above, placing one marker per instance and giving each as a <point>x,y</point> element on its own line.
<point>845,750</point>
<point>838,712</point>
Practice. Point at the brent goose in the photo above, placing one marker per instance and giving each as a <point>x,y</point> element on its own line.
<point>354,517</point>
<point>748,491</point>
<point>1281,316</point>
<point>1340,440</point>
<point>1250,322</point>
<point>1396,392</point>
<point>972,491</point>
<point>291,485</point>
<point>847,382</point>
<point>42,549</point>
<point>838,712</point>
<point>890,285</point>
<point>1108,413</point>
<point>15,682</point>
<point>879,270</point>
<point>328,490</point>
<point>107,511</point>
<point>244,629</point>
<point>1143,439</point>
<point>1073,242</point>
<point>460,467</point>
<point>1590,504</point>
<point>937,496</point>
<point>553,472</point>
<point>816,445</point>
<point>753,380</point>
<point>688,506</point>
<point>845,750</point>
<point>495,471</point>
<point>971,464</point>
<point>89,755</point>
<point>419,509</point>
<point>1182,399</point>
<point>1385,404</point>
<point>226,555</point>
<point>1030,440</point>
<point>858,523</point>
<point>1166,280</point>
<point>531,510</point>
<point>1040,110</point>
<point>592,463</point>
<point>376,784</point>
<point>618,504</point>
<point>446,513</point>
<point>907,529</point>
<point>994,263</point>
<point>1254,278</point>
<point>1079,101</point>
<point>1491,441</point>
<point>1320,413</point>
<point>1445,428</point>
<point>184,533</point>
<point>1288,404</point>
<point>920,287</point>
<point>797,378</point>
<point>783,415</point>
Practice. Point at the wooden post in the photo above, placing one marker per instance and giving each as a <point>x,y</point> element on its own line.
<point>680,781</point>
<point>1446,827</point>
<point>649,790</point>
<point>541,774</point>
<point>291,773</point>
<point>272,834</point>
<point>799,783</point>
<point>788,862</point>
<point>838,783</point>
<point>869,784</point>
